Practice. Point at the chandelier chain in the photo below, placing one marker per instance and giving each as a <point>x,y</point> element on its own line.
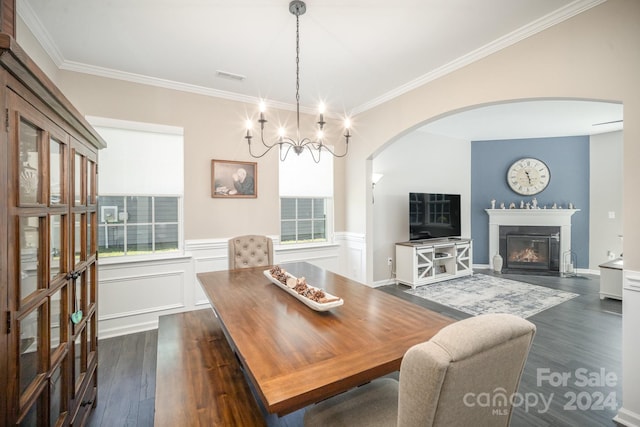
<point>298,69</point>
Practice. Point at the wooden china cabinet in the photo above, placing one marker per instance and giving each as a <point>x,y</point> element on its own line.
<point>48,250</point>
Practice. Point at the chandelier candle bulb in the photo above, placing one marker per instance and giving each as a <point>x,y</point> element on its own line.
<point>321,108</point>
<point>262,107</point>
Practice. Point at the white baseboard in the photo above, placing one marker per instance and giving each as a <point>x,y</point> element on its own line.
<point>128,329</point>
<point>627,418</point>
<point>384,282</point>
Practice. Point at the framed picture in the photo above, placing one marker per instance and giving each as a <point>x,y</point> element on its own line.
<point>231,179</point>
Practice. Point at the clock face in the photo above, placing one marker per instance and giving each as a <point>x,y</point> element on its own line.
<point>528,176</point>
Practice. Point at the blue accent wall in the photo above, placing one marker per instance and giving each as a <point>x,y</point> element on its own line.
<point>568,161</point>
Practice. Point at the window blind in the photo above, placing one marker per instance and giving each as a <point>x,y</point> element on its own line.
<point>300,176</point>
<point>140,158</point>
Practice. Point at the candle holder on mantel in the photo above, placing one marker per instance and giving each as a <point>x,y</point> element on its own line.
<point>570,264</point>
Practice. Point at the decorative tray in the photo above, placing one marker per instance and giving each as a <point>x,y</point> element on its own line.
<point>324,303</point>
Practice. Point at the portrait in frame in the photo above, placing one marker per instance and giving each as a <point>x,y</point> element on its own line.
<point>234,179</point>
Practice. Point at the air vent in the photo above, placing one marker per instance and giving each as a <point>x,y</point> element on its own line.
<point>230,76</point>
<point>607,123</point>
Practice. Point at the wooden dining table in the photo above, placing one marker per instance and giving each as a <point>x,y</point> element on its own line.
<point>295,356</point>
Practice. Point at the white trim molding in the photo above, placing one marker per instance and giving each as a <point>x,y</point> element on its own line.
<point>629,414</point>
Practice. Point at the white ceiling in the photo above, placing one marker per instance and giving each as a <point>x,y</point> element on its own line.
<point>354,54</point>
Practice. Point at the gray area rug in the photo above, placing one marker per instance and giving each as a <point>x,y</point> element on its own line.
<point>479,294</point>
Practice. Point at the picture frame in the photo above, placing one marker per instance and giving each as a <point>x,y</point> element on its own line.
<point>234,179</point>
<point>442,268</point>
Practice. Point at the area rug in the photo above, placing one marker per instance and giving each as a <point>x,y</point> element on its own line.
<point>480,294</point>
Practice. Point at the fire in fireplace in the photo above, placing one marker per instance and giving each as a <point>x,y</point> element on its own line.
<point>530,248</point>
<point>527,251</point>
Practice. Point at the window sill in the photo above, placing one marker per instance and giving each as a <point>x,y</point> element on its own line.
<point>132,259</point>
<point>284,247</point>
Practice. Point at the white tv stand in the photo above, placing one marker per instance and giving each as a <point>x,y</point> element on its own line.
<point>434,260</point>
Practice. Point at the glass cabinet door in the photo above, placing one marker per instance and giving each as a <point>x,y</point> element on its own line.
<point>39,288</point>
<point>48,253</point>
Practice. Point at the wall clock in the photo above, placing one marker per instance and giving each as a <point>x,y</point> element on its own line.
<point>528,176</point>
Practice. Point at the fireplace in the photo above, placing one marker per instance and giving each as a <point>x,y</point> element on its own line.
<point>530,248</point>
<point>555,223</point>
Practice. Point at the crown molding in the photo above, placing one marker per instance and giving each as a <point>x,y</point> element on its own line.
<point>41,34</point>
<point>503,42</point>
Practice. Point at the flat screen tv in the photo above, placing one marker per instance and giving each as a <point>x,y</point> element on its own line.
<point>434,216</point>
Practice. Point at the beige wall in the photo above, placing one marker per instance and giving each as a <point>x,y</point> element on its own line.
<point>213,129</point>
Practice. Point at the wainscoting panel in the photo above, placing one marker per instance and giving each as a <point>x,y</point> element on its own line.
<point>131,295</point>
<point>135,291</point>
<point>352,255</point>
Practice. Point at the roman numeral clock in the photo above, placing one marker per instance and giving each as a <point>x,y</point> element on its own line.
<point>528,176</point>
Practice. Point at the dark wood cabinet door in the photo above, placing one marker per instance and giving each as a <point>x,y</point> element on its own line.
<point>51,290</point>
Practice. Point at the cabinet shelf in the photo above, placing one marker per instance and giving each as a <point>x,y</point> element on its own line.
<point>423,263</point>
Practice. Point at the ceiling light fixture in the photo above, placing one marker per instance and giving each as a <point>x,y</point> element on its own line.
<point>284,142</point>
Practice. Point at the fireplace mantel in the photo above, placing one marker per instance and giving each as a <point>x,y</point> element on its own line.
<point>533,217</point>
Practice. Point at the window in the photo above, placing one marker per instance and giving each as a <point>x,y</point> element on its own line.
<point>306,198</point>
<point>303,220</point>
<point>135,225</point>
<point>141,183</point>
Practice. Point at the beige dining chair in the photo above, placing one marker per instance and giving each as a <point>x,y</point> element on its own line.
<point>250,251</point>
<point>443,382</point>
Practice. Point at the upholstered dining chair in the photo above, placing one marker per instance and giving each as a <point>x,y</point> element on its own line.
<point>250,251</point>
<point>443,382</point>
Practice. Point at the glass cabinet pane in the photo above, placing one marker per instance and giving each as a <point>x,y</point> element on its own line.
<point>32,417</point>
<point>29,163</point>
<point>89,248</point>
<point>56,394</point>
<point>91,199</point>
<point>90,335</point>
<point>58,318</point>
<point>55,246</point>
<point>77,237</point>
<point>77,181</point>
<point>29,255</point>
<point>29,346</point>
<point>78,365</point>
<point>90,287</point>
<point>55,172</point>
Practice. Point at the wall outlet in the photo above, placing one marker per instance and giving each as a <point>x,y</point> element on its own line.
<point>389,261</point>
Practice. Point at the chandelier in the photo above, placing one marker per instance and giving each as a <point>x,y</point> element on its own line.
<point>286,143</point>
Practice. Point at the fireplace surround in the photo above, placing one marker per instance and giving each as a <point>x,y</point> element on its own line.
<point>559,219</point>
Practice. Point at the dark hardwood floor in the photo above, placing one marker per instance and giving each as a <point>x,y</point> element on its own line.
<point>580,338</point>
